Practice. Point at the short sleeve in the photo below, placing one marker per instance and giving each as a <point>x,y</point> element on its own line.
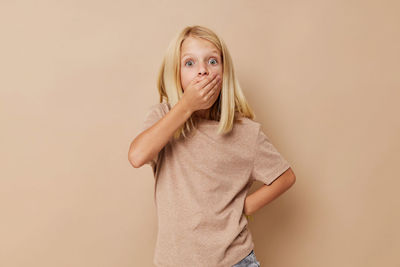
<point>153,114</point>
<point>268,163</point>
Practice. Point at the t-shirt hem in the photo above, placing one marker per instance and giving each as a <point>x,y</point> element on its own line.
<point>228,264</point>
<point>240,257</point>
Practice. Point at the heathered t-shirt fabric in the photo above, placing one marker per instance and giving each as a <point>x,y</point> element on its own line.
<point>200,187</point>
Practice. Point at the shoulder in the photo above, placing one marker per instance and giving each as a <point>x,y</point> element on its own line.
<point>247,129</point>
<point>247,123</point>
<point>154,113</point>
<point>161,108</point>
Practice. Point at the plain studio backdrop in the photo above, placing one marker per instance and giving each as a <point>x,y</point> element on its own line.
<point>77,78</point>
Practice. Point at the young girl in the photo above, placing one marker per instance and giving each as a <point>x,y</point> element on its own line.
<point>205,151</point>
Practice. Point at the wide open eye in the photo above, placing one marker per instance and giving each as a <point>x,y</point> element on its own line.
<point>188,62</point>
<point>213,59</point>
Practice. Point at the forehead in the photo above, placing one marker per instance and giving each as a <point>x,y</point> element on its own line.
<point>193,45</point>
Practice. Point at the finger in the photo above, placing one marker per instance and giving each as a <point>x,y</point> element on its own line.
<point>208,80</point>
<point>196,79</point>
<point>215,82</point>
<point>213,93</point>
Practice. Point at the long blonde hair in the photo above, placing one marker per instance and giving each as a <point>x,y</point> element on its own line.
<point>231,100</point>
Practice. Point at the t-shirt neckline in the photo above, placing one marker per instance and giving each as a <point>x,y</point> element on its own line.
<point>208,121</point>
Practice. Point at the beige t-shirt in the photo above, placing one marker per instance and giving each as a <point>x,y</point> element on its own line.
<point>200,187</point>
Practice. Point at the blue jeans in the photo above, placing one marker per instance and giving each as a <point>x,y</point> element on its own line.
<point>249,261</point>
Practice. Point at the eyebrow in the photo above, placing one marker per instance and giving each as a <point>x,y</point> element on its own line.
<point>212,52</point>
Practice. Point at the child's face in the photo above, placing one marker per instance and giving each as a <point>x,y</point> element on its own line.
<point>199,57</point>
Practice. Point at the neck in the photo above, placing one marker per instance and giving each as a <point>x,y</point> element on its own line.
<point>201,113</point>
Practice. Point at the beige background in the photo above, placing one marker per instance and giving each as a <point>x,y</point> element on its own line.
<point>78,76</point>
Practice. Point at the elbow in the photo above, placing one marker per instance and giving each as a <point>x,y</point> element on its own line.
<point>134,162</point>
<point>291,177</point>
<point>293,180</point>
<point>134,159</point>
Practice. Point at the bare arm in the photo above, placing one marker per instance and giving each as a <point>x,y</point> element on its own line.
<point>267,193</point>
<point>150,142</point>
<point>201,93</point>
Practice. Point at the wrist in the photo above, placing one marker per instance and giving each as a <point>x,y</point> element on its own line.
<point>185,107</point>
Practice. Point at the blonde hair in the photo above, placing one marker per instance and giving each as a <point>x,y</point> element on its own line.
<point>230,104</point>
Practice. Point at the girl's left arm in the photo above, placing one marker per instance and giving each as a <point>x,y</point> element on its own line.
<point>267,193</point>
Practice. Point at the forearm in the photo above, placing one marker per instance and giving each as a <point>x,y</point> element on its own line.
<point>267,193</point>
<point>148,143</point>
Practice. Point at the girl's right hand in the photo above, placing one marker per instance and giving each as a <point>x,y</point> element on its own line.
<point>202,92</point>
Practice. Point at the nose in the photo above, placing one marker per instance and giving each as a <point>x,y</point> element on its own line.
<point>203,70</point>
<point>203,73</point>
